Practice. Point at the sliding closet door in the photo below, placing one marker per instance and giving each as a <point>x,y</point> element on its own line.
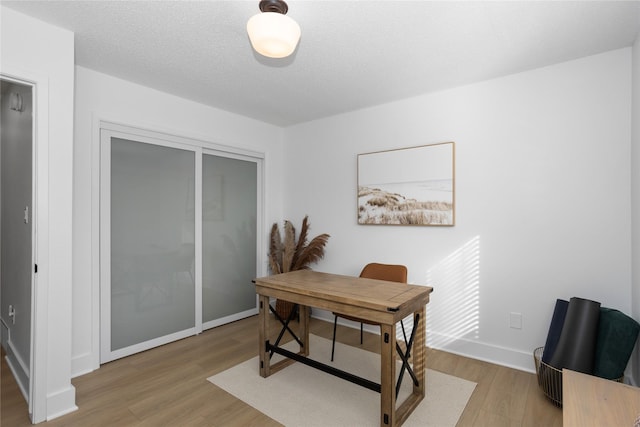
<point>179,238</point>
<point>148,244</point>
<point>229,211</point>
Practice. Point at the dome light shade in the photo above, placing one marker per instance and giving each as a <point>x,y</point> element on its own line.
<point>273,34</point>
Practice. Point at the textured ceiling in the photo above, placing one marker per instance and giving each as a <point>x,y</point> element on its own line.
<point>352,54</point>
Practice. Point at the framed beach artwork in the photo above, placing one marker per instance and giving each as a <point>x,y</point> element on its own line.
<point>408,186</point>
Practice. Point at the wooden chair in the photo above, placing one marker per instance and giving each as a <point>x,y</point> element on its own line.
<point>389,272</point>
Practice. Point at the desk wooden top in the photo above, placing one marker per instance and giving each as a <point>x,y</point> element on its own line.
<point>591,401</point>
<point>370,294</point>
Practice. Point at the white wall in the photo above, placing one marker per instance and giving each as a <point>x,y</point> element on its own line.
<point>102,97</point>
<point>44,54</point>
<point>542,199</point>
<point>635,198</point>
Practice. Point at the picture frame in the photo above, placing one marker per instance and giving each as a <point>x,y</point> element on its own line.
<point>408,186</point>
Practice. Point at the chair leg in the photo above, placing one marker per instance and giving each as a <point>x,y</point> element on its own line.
<point>333,346</point>
<point>361,333</point>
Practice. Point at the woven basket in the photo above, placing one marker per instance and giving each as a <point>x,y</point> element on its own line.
<point>283,308</point>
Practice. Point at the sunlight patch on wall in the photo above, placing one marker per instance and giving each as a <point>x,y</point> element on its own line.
<point>454,309</point>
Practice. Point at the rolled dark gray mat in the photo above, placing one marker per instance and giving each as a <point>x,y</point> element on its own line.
<point>577,344</point>
<point>555,329</point>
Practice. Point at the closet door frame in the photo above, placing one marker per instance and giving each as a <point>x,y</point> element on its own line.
<point>101,257</point>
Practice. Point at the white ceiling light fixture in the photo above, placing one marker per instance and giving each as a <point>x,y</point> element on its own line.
<point>272,33</point>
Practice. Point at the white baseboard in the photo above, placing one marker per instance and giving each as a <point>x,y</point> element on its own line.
<point>4,334</point>
<point>478,350</point>
<point>18,368</point>
<point>82,364</point>
<point>508,357</point>
<point>61,403</point>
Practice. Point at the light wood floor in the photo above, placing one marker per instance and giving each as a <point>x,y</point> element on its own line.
<point>168,386</point>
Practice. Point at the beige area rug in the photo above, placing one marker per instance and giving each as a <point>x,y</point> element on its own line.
<point>300,395</point>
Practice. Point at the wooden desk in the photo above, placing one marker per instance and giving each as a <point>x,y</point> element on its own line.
<point>591,401</point>
<point>380,301</point>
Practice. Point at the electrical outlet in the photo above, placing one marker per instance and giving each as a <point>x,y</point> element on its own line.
<point>515,320</point>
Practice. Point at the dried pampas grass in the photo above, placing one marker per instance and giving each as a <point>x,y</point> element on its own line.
<point>292,254</point>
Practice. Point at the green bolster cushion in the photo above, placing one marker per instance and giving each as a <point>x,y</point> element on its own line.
<point>617,334</point>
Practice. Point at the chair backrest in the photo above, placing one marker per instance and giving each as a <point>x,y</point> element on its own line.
<point>389,272</point>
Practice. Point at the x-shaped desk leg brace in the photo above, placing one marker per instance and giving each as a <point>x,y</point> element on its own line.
<point>285,327</point>
<point>406,355</point>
